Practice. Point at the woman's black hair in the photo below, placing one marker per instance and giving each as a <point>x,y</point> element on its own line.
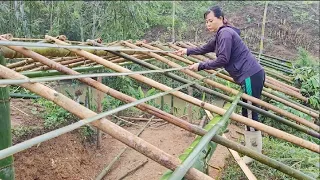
<point>216,11</point>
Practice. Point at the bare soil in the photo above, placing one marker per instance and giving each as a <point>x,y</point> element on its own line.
<point>69,157</point>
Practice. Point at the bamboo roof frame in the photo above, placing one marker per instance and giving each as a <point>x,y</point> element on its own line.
<point>166,116</point>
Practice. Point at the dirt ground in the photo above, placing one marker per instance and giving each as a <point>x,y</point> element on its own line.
<point>67,157</point>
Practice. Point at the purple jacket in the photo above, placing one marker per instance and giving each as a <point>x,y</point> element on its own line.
<point>231,52</point>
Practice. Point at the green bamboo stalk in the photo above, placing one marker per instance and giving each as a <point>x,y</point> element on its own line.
<point>6,164</point>
<point>262,30</point>
<point>273,57</point>
<point>218,128</point>
<point>262,58</point>
<point>225,97</point>
<point>276,67</point>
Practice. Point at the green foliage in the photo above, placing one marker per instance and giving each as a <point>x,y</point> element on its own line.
<point>54,116</point>
<point>307,78</point>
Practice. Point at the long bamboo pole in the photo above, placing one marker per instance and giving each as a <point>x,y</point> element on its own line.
<point>233,91</point>
<point>6,164</point>
<point>302,109</point>
<point>170,118</point>
<point>225,97</point>
<point>210,107</point>
<point>181,170</point>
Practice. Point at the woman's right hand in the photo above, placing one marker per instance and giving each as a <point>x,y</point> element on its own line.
<point>181,51</point>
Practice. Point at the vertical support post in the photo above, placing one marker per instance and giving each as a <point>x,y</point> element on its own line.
<point>99,110</point>
<point>6,164</point>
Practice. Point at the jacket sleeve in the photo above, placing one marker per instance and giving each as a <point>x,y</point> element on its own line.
<point>209,47</point>
<point>223,54</point>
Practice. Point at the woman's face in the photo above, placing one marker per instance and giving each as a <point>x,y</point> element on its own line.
<point>213,23</point>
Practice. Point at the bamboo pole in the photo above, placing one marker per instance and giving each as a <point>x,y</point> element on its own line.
<point>166,116</point>
<point>290,100</point>
<point>181,170</point>
<point>105,125</point>
<point>233,91</point>
<point>273,57</point>
<point>6,164</point>
<point>23,62</point>
<point>225,97</point>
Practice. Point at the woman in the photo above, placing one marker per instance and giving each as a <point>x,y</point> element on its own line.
<point>233,55</point>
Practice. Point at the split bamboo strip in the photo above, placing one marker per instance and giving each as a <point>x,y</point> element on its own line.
<point>233,91</point>
<point>182,169</point>
<point>225,97</point>
<point>210,107</point>
<point>172,119</point>
<point>105,125</point>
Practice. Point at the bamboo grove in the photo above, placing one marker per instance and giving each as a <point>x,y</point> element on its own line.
<point>34,65</point>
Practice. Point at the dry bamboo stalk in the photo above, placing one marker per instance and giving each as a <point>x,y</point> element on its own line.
<point>270,130</point>
<point>236,156</point>
<point>233,91</point>
<point>284,84</point>
<point>22,62</point>
<point>105,125</point>
<point>37,64</point>
<point>313,114</point>
<point>287,91</point>
<point>63,62</point>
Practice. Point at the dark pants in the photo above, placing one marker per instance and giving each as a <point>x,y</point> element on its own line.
<point>253,86</point>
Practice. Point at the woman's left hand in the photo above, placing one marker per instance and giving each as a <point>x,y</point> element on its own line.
<point>194,67</point>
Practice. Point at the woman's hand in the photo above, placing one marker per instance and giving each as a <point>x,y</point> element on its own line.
<point>194,67</point>
<point>181,52</point>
